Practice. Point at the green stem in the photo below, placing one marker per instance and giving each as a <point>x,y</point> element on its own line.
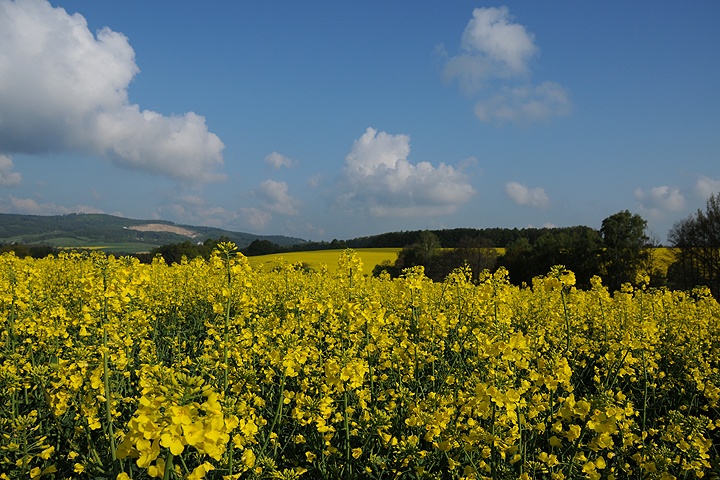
<point>493,449</point>
<point>278,413</point>
<point>168,466</point>
<point>226,336</point>
<point>108,405</point>
<point>226,339</point>
<point>645,389</point>
<point>347,433</point>
<point>106,373</point>
<point>521,452</point>
<point>230,459</point>
<point>567,320</point>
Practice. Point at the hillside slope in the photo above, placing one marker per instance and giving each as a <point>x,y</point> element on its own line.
<point>78,230</point>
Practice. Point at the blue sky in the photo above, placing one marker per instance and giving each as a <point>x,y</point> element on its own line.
<point>327,120</point>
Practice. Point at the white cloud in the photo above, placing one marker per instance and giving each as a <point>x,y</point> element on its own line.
<point>492,46</point>
<point>381,180</point>
<point>659,200</point>
<point>193,209</point>
<point>495,63</point>
<point>525,103</point>
<point>275,197</point>
<point>314,181</point>
<point>63,89</point>
<point>277,160</point>
<point>707,186</point>
<point>522,195</point>
<point>256,217</point>
<point>7,176</point>
<point>28,206</point>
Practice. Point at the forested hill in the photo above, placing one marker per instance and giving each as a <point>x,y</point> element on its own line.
<point>456,237</point>
<point>99,229</point>
<point>448,238</point>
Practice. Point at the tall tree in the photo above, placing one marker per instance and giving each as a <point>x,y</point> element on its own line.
<point>576,248</point>
<point>625,248</point>
<point>696,240</point>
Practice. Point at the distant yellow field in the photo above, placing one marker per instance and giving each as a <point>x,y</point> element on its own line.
<point>370,257</point>
<point>374,256</point>
<point>663,257</point>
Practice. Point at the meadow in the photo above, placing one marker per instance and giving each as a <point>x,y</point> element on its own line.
<point>216,369</point>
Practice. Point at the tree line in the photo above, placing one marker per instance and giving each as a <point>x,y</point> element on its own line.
<point>616,252</point>
<point>620,252</point>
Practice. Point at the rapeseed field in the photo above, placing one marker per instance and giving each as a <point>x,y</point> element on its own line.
<point>323,258</point>
<point>213,369</point>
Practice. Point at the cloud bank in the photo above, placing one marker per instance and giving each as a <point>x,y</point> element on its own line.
<point>381,181</point>
<point>494,65</point>
<point>64,89</point>
<point>28,206</point>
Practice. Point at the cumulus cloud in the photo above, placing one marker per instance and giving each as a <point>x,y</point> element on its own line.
<point>256,217</point>
<point>659,200</point>
<point>523,103</point>
<point>277,160</point>
<point>494,63</point>
<point>276,199</point>
<point>492,46</point>
<point>707,186</point>
<point>194,209</point>
<point>381,180</point>
<point>7,176</point>
<point>64,89</point>
<point>28,206</point>
<point>314,181</point>
<point>525,196</point>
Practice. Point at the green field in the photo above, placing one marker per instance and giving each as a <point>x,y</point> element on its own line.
<point>315,259</point>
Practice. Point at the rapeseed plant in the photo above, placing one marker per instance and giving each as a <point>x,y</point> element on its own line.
<point>211,369</point>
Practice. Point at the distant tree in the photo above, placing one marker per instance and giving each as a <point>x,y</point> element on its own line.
<point>261,247</point>
<point>422,252</point>
<point>34,251</point>
<point>577,248</point>
<point>476,253</point>
<point>427,245</point>
<point>338,244</point>
<point>20,251</point>
<point>652,266</point>
<point>519,261</point>
<point>174,252</point>
<point>625,248</point>
<point>696,241</point>
<point>386,266</point>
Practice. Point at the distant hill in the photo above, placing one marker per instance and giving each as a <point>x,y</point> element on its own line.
<point>115,234</point>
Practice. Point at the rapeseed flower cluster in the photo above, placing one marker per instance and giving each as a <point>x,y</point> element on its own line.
<point>212,369</point>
